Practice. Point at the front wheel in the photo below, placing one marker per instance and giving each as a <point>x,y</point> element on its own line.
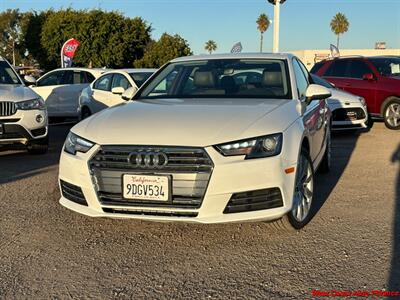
<point>391,114</point>
<point>303,196</point>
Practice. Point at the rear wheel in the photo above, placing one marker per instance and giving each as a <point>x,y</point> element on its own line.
<point>391,114</point>
<point>38,146</point>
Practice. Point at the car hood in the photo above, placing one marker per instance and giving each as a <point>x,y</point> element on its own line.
<point>186,122</point>
<point>16,93</point>
<point>339,96</point>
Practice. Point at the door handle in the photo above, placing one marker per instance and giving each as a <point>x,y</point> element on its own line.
<point>347,84</point>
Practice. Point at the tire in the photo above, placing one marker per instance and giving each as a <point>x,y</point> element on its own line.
<point>391,114</point>
<point>85,113</point>
<point>38,146</point>
<point>292,221</point>
<point>370,122</point>
<point>325,165</point>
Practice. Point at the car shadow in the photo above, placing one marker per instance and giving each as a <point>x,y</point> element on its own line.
<point>343,145</point>
<point>394,277</point>
<point>16,164</point>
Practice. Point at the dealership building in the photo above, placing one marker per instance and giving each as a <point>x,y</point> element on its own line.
<point>310,57</point>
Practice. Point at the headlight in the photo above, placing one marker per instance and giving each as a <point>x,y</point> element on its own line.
<point>37,103</point>
<point>362,100</point>
<point>264,146</point>
<point>75,144</point>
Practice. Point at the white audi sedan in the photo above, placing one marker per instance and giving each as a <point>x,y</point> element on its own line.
<point>209,139</point>
<point>348,111</point>
<point>107,90</point>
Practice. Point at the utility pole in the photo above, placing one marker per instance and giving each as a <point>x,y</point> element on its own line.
<point>277,6</point>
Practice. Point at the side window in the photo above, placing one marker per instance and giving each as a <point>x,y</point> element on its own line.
<point>120,81</point>
<point>164,87</point>
<point>87,77</point>
<point>53,78</point>
<point>77,77</point>
<point>337,69</point>
<point>358,69</point>
<point>301,80</point>
<point>68,77</point>
<point>103,83</point>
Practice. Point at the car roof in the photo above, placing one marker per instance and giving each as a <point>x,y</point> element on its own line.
<point>91,70</point>
<point>285,56</point>
<point>132,70</point>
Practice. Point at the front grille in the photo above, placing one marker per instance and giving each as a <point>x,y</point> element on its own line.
<point>10,136</point>
<point>7,108</point>
<point>11,120</point>
<point>73,193</point>
<point>190,169</point>
<point>348,114</point>
<point>152,213</point>
<point>254,200</point>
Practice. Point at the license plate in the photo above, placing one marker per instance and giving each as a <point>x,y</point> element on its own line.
<point>352,115</point>
<point>146,187</point>
<point>1,129</point>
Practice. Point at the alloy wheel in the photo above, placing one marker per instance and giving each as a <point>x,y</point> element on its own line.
<point>303,191</point>
<point>392,114</point>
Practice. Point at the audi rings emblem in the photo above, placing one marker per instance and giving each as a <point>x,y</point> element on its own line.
<point>148,160</point>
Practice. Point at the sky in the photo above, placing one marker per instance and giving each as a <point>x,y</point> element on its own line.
<point>304,23</point>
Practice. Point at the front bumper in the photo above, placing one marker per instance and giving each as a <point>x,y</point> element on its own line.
<point>230,175</point>
<point>352,116</point>
<point>23,127</point>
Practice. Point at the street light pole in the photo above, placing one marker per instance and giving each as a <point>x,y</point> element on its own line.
<point>277,6</point>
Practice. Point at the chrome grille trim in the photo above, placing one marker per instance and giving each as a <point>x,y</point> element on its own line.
<point>190,168</point>
<point>7,108</point>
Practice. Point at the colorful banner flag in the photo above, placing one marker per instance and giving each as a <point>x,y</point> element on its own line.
<point>67,52</point>
<point>237,48</point>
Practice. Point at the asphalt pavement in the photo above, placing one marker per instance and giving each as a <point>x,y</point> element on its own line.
<point>352,243</point>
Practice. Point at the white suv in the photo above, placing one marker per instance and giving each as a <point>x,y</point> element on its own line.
<point>209,139</point>
<point>23,116</point>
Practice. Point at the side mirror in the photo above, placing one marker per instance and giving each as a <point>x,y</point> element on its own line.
<point>369,77</point>
<point>129,93</point>
<point>317,92</point>
<point>119,90</point>
<point>29,80</point>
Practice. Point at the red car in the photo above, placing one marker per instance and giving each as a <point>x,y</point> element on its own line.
<point>376,79</point>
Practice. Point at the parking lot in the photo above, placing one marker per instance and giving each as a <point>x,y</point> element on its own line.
<point>352,243</point>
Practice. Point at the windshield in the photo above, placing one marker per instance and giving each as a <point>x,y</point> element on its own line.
<point>221,78</point>
<point>318,80</point>
<point>387,66</point>
<point>7,74</point>
<point>140,77</point>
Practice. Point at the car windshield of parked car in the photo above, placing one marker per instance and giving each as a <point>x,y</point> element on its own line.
<point>318,80</point>
<point>221,78</point>
<point>7,74</point>
<point>140,77</point>
<point>387,66</point>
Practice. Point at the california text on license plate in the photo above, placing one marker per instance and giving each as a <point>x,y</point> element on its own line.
<point>145,187</point>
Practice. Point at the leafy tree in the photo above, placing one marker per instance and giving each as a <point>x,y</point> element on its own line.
<point>166,48</point>
<point>210,46</point>
<point>31,29</point>
<point>339,25</point>
<point>263,23</point>
<point>11,36</point>
<point>108,39</point>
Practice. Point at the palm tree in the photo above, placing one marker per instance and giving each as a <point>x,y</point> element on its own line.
<point>339,25</point>
<point>210,46</point>
<point>263,23</point>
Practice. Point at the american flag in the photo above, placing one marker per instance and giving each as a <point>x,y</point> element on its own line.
<point>237,48</point>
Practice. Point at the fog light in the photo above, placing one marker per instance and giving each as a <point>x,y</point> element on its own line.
<point>39,118</point>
